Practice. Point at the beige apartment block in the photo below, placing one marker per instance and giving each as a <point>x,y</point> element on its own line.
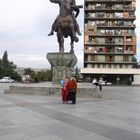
<point>109,40</point>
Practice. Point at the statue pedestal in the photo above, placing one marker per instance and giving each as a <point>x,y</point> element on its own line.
<point>62,65</point>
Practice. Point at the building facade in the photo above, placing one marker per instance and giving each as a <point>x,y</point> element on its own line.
<point>109,40</point>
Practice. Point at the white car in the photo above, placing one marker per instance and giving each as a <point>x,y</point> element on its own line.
<point>104,83</point>
<point>6,80</point>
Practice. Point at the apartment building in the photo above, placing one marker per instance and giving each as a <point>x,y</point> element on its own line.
<point>109,40</point>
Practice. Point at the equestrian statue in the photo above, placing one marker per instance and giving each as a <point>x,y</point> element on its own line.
<point>65,25</point>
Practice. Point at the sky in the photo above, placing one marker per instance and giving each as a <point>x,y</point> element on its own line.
<point>25,24</point>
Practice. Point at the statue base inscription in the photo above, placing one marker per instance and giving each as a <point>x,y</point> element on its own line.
<point>62,65</point>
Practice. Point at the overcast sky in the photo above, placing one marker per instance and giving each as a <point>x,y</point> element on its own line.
<point>24,25</point>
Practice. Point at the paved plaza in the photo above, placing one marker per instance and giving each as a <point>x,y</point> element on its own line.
<point>114,116</point>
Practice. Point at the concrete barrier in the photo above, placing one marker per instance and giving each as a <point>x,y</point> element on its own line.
<point>46,91</point>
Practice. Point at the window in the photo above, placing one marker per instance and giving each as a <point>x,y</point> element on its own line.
<point>119,50</point>
<point>129,39</point>
<point>119,15</point>
<point>93,58</point>
<point>100,14</point>
<point>126,58</point>
<point>101,23</point>
<point>98,65</point>
<point>91,23</point>
<point>109,65</point>
<point>126,66</point>
<point>118,58</point>
<point>115,66</point>
<point>104,65</point>
<point>120,65</point>
<point>101,58</point>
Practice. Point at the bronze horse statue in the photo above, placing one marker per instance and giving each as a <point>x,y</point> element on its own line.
<point>65,24</point>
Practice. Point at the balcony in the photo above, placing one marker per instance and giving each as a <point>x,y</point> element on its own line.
<point>129,43</point>
<point>121,15</point>
<point>112,25</point>
<point>109,42</point>
<point>102,44</point>
<point>111,9</point>
<point>128,52</point>
<point>107,51</point>
<point>92,18</point>
<point>105,1</point>
<point>112,34</point>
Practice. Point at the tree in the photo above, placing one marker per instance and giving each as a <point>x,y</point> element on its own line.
<point>29,71</point>
<point>0,67</point>
<point>44,75</point>
<point>7,68</point>
<point>5,61</point>
<point>40,75</point>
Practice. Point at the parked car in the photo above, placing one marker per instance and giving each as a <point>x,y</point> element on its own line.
<point>105,83</point>
<point>7,80</point>
<point>26,79</point>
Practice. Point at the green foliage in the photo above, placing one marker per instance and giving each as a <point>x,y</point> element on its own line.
<point>40,75</point>
<point>0,67</point>
<point>30,72</point>
<point>7,68</point>
<point>5,61</point>
<point>44,75</point>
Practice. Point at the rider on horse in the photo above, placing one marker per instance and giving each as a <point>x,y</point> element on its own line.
<point>70,12</point>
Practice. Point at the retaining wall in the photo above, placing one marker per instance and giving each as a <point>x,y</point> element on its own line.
<point>46,91</point>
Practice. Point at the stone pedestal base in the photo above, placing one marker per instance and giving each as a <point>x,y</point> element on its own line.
<point>62,65</point>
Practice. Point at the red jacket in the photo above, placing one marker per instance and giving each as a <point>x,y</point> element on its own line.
<point>72,84</point>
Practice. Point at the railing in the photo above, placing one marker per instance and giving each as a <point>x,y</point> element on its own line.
<point>109,16</point>
<point>115,25</point>
<point>110,8</point>
<point>114,34</point>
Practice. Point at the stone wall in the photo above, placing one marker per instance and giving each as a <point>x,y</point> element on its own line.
<point>47,91</point>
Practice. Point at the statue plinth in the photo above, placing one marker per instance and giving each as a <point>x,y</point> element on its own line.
<point>62,65</point>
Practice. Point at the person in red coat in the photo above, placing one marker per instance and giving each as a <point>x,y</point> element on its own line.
<point>65,90</point>
<point>73,90</point>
